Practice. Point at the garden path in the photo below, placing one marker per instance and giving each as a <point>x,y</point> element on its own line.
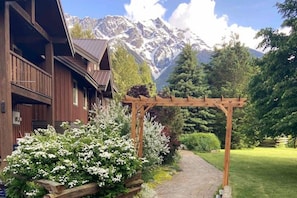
<point>197,179</point>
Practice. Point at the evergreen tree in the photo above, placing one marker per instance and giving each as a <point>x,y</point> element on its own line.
<point>188,79</point>
<point>274,89</point>
<point>229,73</point>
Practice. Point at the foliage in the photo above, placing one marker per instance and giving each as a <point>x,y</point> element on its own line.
<point>188,79</point>
<point>274,89</point>
<point>128,73</point>
<point>259,172</point>
<point>229,72</point>
<point>173,145</point>
<point>78,33</point>
<point>138,90</point>
<point>155,142</point>
<point>171,118</point>
<point>200,142</point>
<point>95,152</point>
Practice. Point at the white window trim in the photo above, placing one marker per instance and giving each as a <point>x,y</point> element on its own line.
<point>85,105</point>
<point>75,92</point>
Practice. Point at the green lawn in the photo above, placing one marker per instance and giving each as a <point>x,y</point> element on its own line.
<point>260,172</point>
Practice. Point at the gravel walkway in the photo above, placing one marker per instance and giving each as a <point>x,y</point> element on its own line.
<point>198,179</point>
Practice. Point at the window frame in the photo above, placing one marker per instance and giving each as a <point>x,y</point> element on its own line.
<point>85,94</point>
<point>75,92</point>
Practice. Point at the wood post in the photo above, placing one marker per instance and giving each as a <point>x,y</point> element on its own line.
<point>133,122</point>
<point>227,145</point>
<point>49,67</point>
<point>6,133</point>
<point>140,135</point>
<point>225,104</point>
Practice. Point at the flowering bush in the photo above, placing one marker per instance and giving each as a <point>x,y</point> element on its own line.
<point>95,152</point>
<point>155,142</point>
<point>100,151</point>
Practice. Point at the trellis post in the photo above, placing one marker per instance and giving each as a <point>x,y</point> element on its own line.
<point>143,104</point>
<point>227,144</point>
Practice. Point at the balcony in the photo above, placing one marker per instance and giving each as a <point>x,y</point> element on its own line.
<point>30,81</point>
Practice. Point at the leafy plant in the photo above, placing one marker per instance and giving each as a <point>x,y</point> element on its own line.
<point>155,142</point>
<point>201,142</point>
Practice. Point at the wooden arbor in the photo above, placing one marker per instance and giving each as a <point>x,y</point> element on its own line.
<point>142,104</point>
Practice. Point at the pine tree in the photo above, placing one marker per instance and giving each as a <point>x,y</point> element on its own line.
<point>188,79</point>
<point>229,73</point>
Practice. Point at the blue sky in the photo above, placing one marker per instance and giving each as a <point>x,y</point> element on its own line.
<point>210,19</point>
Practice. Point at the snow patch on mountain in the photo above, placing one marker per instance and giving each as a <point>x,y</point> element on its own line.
<point>152,41</point>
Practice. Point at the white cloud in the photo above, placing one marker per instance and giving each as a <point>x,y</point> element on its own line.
<point>199,16</point>
<point>141,10</point>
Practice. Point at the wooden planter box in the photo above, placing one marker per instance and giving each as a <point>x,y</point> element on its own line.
<point>58,190</point>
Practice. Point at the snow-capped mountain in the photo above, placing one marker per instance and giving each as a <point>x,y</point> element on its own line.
<point>153,41</point>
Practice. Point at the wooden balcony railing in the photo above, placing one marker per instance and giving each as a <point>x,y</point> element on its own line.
<point>27,75</point>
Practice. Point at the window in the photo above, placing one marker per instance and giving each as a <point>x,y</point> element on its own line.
<point>75,92</point>
<point>85,98</point>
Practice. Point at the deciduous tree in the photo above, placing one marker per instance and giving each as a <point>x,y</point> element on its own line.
<point>274,89</point>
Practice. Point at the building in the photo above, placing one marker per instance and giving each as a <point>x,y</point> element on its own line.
<point>46,78</point>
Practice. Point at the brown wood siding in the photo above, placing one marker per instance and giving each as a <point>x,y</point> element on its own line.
<point>39,112</point>
<point>26,123</point>
<point>78,111</point>
<point>63,93</point>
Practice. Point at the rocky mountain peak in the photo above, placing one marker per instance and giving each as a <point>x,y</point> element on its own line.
<point>153,41</point>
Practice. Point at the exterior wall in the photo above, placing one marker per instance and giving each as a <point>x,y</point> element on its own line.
<point>26,123</point>
<point>63,93</point>
<point>79,112</point>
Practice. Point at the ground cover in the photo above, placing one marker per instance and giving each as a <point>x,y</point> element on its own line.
<point>259,172</point>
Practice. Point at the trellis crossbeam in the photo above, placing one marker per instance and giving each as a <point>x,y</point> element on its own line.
<point>142,104</point>
<point>186,102</point>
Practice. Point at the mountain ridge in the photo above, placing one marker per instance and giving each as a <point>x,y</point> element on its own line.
<point>152,41</point>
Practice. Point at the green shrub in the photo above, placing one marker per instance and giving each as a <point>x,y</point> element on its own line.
<point>201,142</point>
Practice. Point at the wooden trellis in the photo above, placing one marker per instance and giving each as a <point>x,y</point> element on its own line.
<point>142,104</point>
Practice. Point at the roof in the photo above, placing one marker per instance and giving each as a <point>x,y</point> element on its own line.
<point>102,77</point>
<point>93,49</point>
<point>77,67</point>
<point>50,16</point>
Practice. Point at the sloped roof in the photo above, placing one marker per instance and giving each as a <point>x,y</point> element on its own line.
<point>49,14</point>
<point>102,77</point>
<point>93,49</point>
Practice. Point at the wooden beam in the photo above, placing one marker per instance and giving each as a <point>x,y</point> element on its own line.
<point>223,109</point>
<point>49,67</point>
<point>133,122</point>
<point>28,19</point>
<point>140,135</point>
<point>227,146</point>
<point>143,98</point>
<point>184,102</point>
<point>225,104</point>
<point>6,131</point>
<point>51,186</point>
<point>30,94</point>
<point>76,192</point>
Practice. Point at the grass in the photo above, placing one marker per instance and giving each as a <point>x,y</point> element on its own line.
<point>260,172</point>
